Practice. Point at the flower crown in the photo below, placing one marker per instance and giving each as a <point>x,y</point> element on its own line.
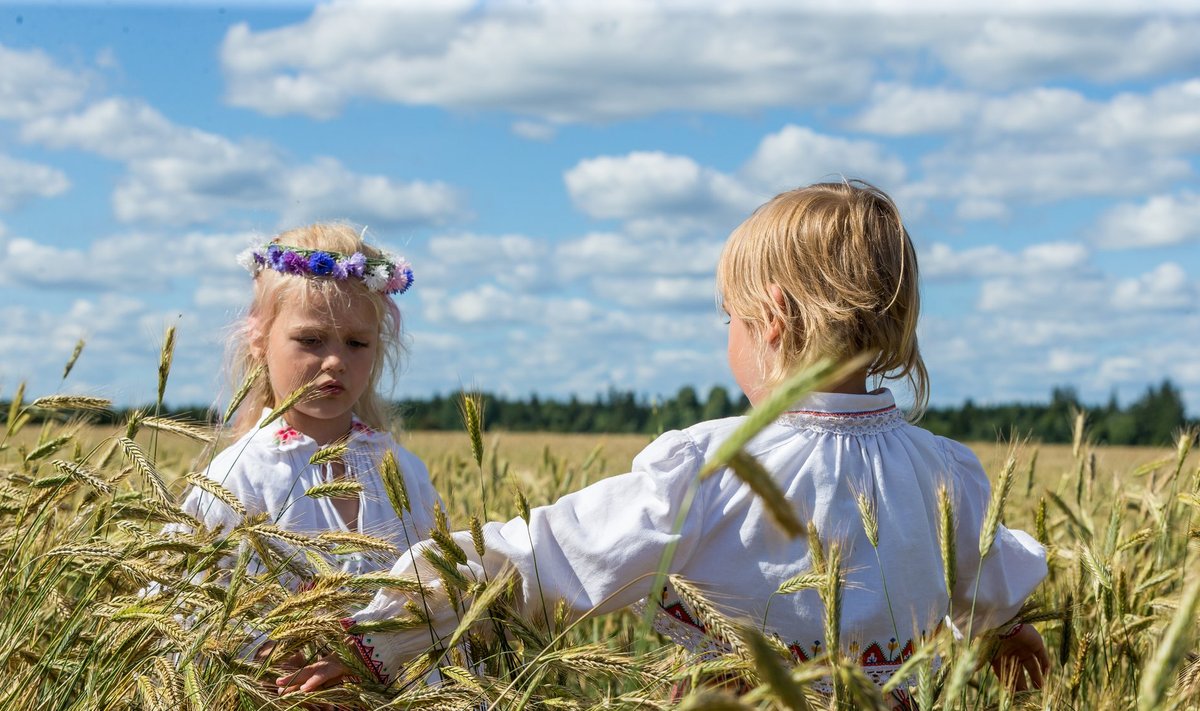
<point>388,274</point>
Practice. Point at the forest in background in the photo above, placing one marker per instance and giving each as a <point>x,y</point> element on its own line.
<point>1155,418</point>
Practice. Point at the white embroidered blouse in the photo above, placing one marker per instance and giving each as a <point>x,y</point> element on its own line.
<point>598,548</point>
<point>268,470</point>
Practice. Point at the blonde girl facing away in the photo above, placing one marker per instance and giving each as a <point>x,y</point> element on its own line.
<point>823,271</point>
<point>321,323</point>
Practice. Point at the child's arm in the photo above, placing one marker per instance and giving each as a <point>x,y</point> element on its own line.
<point>1022,652</point>
<point>593,550</point>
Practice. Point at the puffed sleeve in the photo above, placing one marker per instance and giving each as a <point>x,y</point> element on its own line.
<point>997,585</point>
<point>593,550</point>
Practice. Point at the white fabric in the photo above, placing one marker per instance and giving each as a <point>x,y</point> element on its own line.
<point>598,548</point>
<point>268,470</point>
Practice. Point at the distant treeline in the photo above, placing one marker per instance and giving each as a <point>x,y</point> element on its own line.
<point>1153,419</point>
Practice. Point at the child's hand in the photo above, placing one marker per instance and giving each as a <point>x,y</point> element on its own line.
<point>1022,653</point>
<point>321,674</point>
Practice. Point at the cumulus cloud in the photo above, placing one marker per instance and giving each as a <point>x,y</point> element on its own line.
<point>641,58</point>
<point>651,182</point>
<point>649,188</point>
<point>180,175</point>
<point>1019,48</point>
<point>22,181</point>
<point>118,262</point>
<point>1161,220</point>
<point>796,155</point>
<point>35,85</point>
<point>943,262</point>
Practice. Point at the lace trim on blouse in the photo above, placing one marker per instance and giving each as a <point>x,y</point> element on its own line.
<point>867,422</point>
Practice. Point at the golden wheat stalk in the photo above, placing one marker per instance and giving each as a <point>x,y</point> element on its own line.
<point>47,448</point>
<point>164,362</point>
<point>717,624</point>
<point>341,488</point>
<point>752,473</point>
<point>332,453</point>
<point>185,429</point>
<point>300,394</point>
<point>946,533</point>
<point>14,411</point>
<point>149,474</point>
<point>217,491</point>
<point>472,412</point>
<point>393,484</point>
<point>481,605</point>
<point>243,390</point>
<point>788,693</point>
<point>74,357</point>
<point>995,508</point>
<point>71,402</point>
<point>348,542</point>
<point>1159,669</point>
<point>81,473</point>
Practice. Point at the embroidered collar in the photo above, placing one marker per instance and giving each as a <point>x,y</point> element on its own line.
<point>839,413</point>
<point>286,438</point>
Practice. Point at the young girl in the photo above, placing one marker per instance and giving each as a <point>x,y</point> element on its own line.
<point>322,316</point>
<point>824,271</point>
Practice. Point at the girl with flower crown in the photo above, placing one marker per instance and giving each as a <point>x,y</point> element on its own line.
<point>322,325</point>
<point>823,272</point>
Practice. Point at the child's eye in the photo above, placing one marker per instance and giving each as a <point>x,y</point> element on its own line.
<point>359,344</point>
<point>307,340</point>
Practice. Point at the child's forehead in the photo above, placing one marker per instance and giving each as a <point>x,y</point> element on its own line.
<point>340,310</point>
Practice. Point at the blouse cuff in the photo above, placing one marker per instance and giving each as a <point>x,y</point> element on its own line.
<point>366,646</point>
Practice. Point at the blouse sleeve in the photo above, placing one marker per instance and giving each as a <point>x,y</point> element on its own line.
<point>595,550</point>
<point>995,586</point>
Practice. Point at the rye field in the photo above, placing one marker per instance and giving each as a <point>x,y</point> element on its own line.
<point>101,610</point>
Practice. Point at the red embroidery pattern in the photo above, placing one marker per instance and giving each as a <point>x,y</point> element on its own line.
<point>361,428</point>
<point>366,650</point>
<point>285,435</point>
<point>864,413</point>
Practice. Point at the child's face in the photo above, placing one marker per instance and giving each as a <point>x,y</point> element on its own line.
<point>333,343</point>
<point>745,359</point>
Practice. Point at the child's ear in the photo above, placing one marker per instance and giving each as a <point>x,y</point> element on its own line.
<point>256,338</point>
<point>775,324</point>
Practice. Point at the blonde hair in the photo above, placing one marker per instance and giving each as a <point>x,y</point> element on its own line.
<point>847,270</point>
<point>272,288</point>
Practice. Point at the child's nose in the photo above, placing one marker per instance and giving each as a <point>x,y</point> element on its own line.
<point>334,362</point>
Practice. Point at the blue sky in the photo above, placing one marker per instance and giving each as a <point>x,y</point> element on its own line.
<point>562,178</point>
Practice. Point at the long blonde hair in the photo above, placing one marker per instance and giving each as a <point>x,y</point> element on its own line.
<point>844,262</point>
<point>271,289</point>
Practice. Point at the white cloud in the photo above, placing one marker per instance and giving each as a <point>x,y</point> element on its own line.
<point>1160,221</point>
<point>136,261</point>
<point>656,192</point>
<point>640,58</point>
<point>22,181</point>
<point>902,110</point>
<point>796,155</point>
<point>180,175</point>
<point>942,261</point>
<point>1002,51</point>
<point>1165,288</point>
<point>650,182</point>
<point>34,85</point>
